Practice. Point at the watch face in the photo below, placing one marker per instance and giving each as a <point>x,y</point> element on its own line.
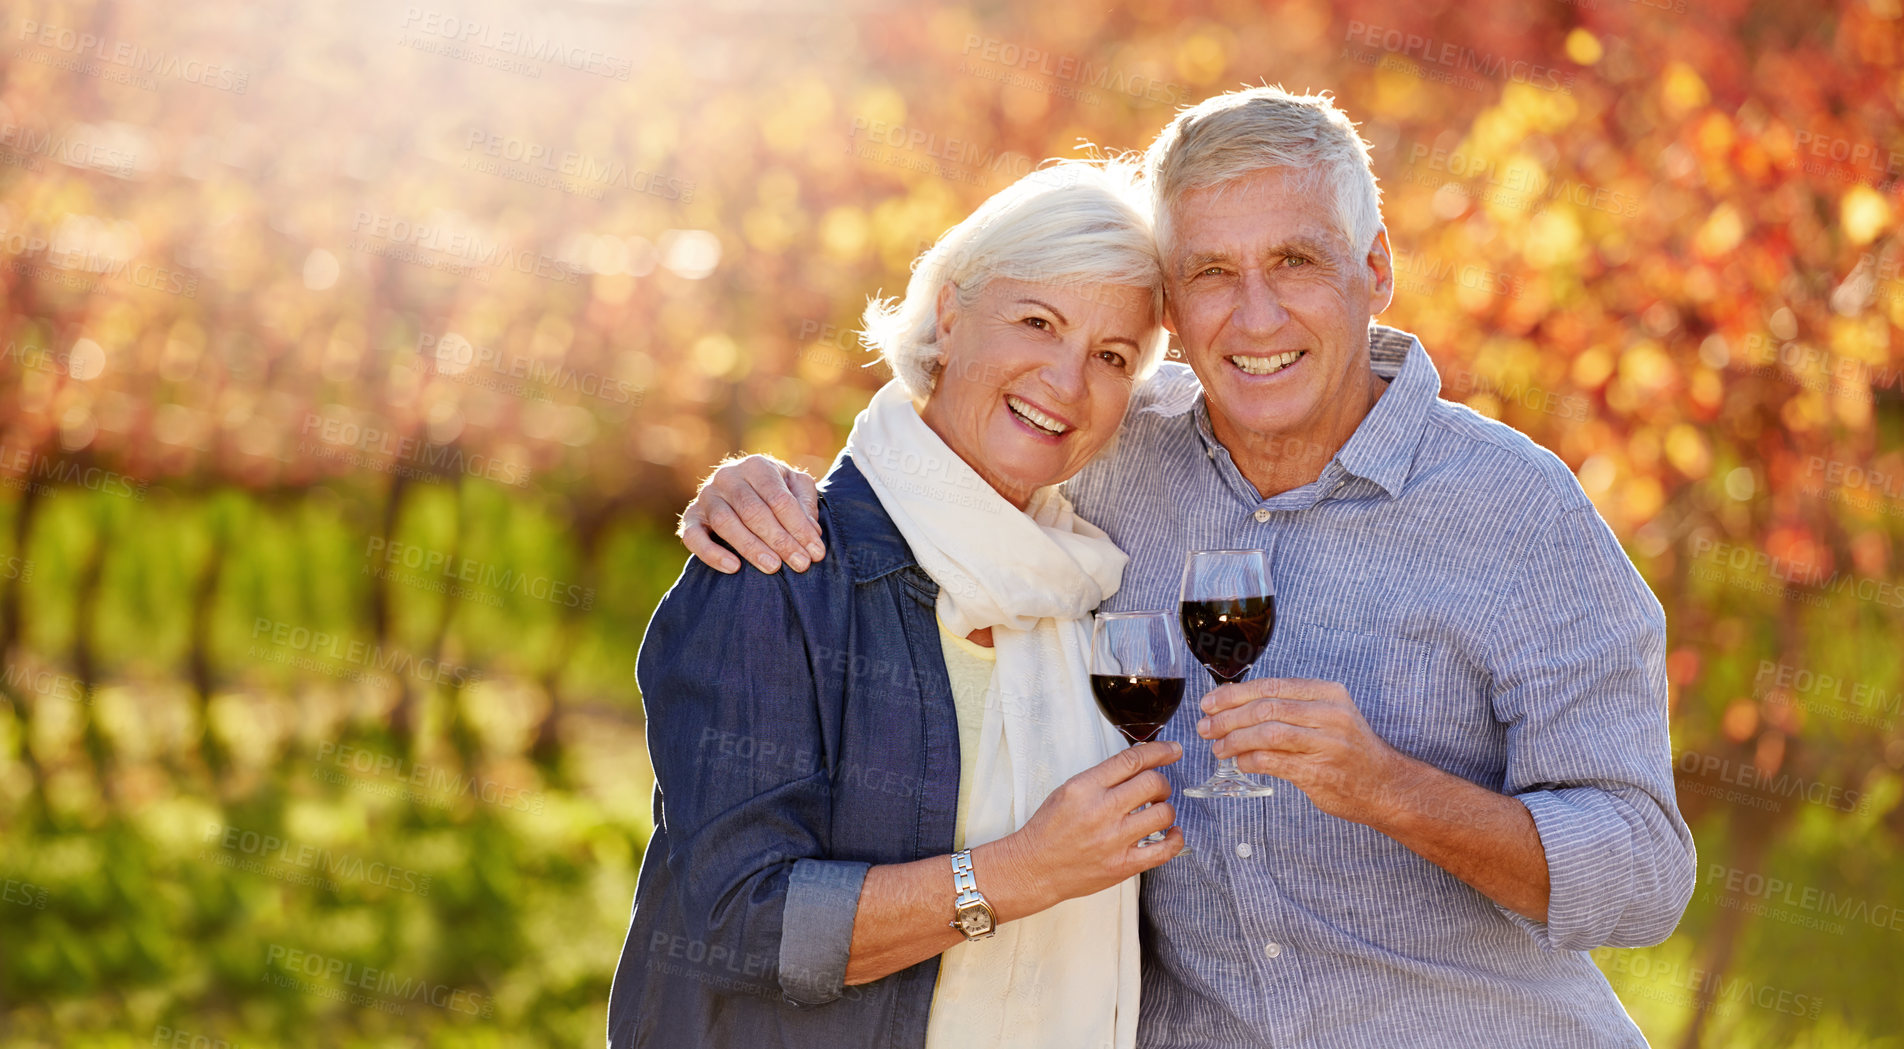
<point>975,920</point>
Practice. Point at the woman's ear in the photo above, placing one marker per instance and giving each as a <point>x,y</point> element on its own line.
<point>947,316</point>
<point>948,308</point>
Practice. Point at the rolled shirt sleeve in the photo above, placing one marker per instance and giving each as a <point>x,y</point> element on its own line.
<point>1577,653</point>
<point>735,731</point>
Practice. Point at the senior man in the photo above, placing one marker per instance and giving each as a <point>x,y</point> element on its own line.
<point>1466,684</point>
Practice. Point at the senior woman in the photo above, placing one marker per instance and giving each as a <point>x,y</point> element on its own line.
<point>887,812</point>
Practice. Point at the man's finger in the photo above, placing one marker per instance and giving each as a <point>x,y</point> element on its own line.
<point>807,491</point>
<point>1272,738</point>
<point>758,515</point>
<point>1307,714</point>
<point>703,546</point>
<point>800,529</point>
<point>1229,697</point>
<point>1285,767</point>
<point>1305,688</point>
<point>1224,697</point>
<point>724,522</point>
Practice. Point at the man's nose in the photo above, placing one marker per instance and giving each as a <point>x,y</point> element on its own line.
<point>1259,310</point>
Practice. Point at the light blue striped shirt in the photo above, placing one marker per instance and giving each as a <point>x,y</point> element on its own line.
<point>1454,577</point>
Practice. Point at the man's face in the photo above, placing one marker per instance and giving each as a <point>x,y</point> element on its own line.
<point>1272,306</point>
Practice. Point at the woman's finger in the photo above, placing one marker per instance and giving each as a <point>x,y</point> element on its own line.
<point>1143,858</point>
<point>1144,788</point>
<point>1130,762</point>
<point>1160,816</point>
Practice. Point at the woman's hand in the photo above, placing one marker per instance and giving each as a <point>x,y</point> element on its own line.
<point>1083,839</point>
<point>768,510</point>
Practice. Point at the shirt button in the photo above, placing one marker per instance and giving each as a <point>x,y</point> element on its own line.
<point>1262,515</point>
<point>1243,849</point>
<point>1272,949</point>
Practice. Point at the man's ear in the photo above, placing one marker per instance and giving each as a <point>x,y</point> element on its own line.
<point>948,309</point>
<point>1381,264</point>
<point>1170,313</point>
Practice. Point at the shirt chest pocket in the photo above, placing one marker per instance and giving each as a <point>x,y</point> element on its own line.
<point>1387,676</point>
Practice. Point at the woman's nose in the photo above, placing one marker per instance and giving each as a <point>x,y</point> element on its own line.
<point>1065,375</point>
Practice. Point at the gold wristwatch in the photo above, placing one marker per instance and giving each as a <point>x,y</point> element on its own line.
<point>971,912</point>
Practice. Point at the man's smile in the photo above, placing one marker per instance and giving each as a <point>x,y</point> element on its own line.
<point>1270,365</point>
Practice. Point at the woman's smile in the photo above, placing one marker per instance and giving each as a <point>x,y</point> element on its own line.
<point>1039,422</point>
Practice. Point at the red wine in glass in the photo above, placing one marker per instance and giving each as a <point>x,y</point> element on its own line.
<point>1138,706</point>
<point>1228,613</point>
<point>1226,636</point>
<point>1137,676</point>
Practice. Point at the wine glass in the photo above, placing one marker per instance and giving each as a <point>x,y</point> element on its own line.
<point>1137,676</point>
<point>1229,611</point>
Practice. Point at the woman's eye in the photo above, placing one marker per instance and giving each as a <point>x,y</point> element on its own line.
<point>1039,323</point>
<point>1115,358</point>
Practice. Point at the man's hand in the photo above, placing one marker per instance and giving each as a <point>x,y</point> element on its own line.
<point>1309,733</point>
<point>768,510</point>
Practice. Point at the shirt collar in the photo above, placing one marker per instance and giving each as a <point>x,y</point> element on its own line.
<point>1382,449</point>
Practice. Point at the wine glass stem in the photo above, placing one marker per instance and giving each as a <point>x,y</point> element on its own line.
<point>1226,767</point>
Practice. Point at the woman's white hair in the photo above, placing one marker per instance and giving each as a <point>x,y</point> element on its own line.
<point>1232,135</point>
<point>1078,222</point>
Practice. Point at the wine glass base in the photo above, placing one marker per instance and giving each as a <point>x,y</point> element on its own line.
<point>1230,785</point>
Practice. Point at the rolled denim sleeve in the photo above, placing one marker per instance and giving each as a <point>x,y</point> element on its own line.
<point>1577,653</point>
<point>816,935</point>
<point>737,734</point>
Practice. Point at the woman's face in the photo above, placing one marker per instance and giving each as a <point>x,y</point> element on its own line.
<point>1036,377</point>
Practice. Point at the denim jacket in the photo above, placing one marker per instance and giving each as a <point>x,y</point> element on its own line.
<point>802,729</point>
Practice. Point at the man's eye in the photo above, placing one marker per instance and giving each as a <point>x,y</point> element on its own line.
<point>1211,271</point>
<point>1293,261</point>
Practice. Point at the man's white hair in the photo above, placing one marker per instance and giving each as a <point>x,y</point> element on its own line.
<point>1082,223</point>
<point>1233,135</point>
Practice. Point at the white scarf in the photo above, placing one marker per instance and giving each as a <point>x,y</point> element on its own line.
<point>1067,976</point>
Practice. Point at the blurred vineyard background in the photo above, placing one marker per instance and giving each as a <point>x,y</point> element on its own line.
<point>357,357</point>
